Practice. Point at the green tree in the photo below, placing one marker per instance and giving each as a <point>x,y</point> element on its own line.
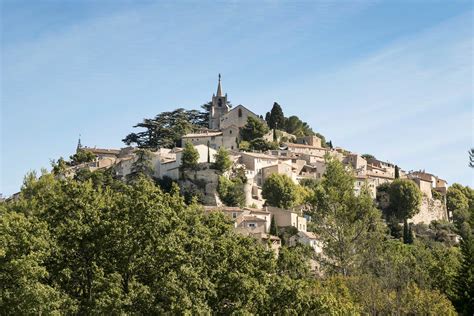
<point>273,227</point>
<point>280,191</point>
<point>190,157</point>
<point>276,119</point>
<point>456,199</point>
<point>25,244</point>
<point>294,261</point>
<point>166,129</point>
<point>397,172</point>
<point>346,223</point>
<point>81,156</point>
<point>405,200</point>
<point>231,191</point>
<point>262,145</point>
<point>368,156</point>
<point>297,127</point>
<point>59,167</point>
<point>255,128</point>
<point>142,166</point>
<point>222,160</point>
<point>465,278</point>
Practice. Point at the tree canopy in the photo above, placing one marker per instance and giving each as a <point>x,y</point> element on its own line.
<point>276,118</point>
<point>280,191</point>
<point>222,160</point>
<point>190,157</point>
<point>96,245</point>
<point>166,129</point>
<point>255,128</point>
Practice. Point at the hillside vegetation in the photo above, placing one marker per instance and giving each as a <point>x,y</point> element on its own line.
<point>96,244</point>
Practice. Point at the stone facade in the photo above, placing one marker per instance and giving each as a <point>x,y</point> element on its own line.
<point>430,210</point>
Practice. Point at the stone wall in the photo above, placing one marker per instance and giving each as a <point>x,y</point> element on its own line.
<point>430,210</point>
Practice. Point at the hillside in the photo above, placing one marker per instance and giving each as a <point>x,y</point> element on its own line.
<point>253,216</point>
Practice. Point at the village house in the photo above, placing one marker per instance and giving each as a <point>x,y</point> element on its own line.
<point>312,140</point>
<point>287,218</point>
<point>307,238</point>
<point>226,138</point>
<point>255,162</point>
<point>251,222</point>
<point>306,149</point>
<point>303,159</point>
<point>436,183</point>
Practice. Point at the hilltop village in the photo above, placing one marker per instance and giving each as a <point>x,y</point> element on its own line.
<point>275,151</point>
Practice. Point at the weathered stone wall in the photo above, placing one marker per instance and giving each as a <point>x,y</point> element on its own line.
<point>430,210</point>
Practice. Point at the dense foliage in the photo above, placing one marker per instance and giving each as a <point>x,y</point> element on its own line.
<point>280,191</point>
<point>231,191</point>
<point>255,128</point>
<point>81,156</point>
<point>166,129</point>
<point>222,160</point>
<point>96,245</point>
<point>190,157</point>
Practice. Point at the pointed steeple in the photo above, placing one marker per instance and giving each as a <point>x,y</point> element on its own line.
<point>219,88</point>
<point>79,145</point>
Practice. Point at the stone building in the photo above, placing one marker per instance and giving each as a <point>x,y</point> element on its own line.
<point>221,116</point>
<point>226,138</point>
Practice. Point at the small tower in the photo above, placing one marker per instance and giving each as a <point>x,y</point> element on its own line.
<point>79,145</point>
<point>219,107</point>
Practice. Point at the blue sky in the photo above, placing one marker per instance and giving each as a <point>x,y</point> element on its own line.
<point>390,78</point>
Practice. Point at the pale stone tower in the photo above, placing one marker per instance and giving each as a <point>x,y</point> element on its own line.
<point>219,107</point>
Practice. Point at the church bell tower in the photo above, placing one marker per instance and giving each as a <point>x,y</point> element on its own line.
<point>219,107</point>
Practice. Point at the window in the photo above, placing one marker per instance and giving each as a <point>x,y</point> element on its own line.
<point>251,225</point>
<point>240,112</point>
<point>234,215</point>
<point>230,132</point>
<point>219,102</point>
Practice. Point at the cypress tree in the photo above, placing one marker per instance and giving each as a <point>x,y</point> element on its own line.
<point>208,153</point>
<point>273,227</point>
<point>397,172</point>
<point>276,118</point>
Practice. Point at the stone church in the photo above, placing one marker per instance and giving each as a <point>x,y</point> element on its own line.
<point>224,123</point>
